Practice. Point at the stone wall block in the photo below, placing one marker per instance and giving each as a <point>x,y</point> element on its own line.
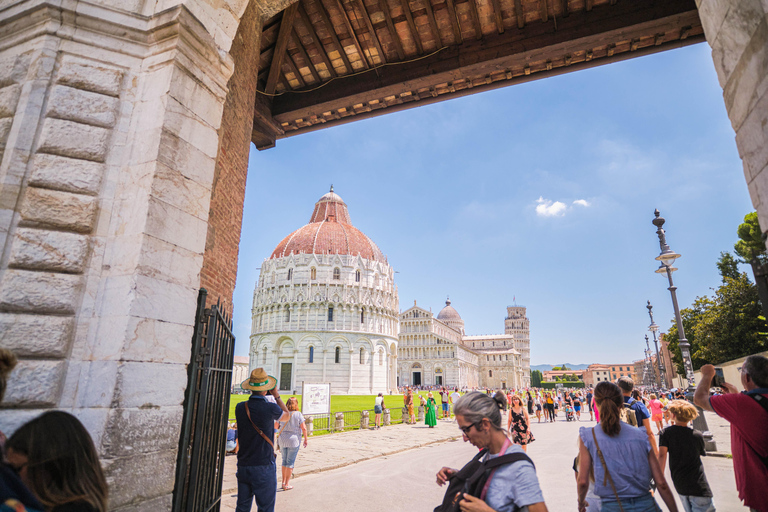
<point>49,250</point>
<point>82,106</point>
<point>67,174</point>
<point>9,423</point>
<point>150,385</point>
<point>740,22</point>
<point>188,91</point>
<point>161,503</point>
<point>137,479</point>
<point>171,186</point>
<point>190,161</point>
<point>13,68</point>
<point>35,383</point>
<point>90,75</point>
<point>749,80</point>
<point>175,226</point>
<point>36,336</point>
<point>64,210</point>
<point>758,188</point>
<point>157,341</point>
<point>132,431</point>
<point>185,123</point>
<point>40,292</point>
<point>5,130</point>
<point>9,98</point>
<point>163,300</point>
<point>752,139</point>
<point>76,140</point>
<point>169,262</point>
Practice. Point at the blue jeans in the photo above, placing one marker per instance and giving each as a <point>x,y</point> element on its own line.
<point>697,503</point>
<point>644,503</point>
<point>258,482</point>
<point>289,456</point>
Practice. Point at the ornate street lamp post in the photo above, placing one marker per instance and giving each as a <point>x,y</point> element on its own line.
<point>667,258</point>
<point>650,379</point>
<point>662,368</point>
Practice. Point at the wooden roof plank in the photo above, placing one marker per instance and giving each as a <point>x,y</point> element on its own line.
<point>543,10</point>
<point>497,14</point>
<point>372,31</point>
<point>454,21</point>
<point>316,40</point>
<point>433,23</point>
<point>352,34</point>
<point>412,26</point>
<point>475,19</point>
<point>519,14</point>
<point>281,46</point>
<point>334,37</point>
<point>392,30</point>
<point>305,56</point>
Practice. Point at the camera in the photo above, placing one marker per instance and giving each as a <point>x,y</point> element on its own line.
<point>718,379</point>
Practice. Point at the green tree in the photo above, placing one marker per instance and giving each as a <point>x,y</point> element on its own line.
<point>556,368</point>
<point>728,266</point>
<point>751,249</point>
<point>536,378</point>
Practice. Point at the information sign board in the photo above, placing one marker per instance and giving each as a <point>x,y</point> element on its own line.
<point>315,398</point>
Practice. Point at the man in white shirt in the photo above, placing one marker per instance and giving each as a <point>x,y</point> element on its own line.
<point>454,396</point>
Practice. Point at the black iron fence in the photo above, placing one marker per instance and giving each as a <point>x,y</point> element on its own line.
<point>200,465</point>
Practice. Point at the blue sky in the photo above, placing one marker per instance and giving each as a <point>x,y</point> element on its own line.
<point>543,192</point>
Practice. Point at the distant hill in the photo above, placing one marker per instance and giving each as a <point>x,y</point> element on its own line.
<point>548,367</point>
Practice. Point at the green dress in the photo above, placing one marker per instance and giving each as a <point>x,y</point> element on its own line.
<point>431,417</point>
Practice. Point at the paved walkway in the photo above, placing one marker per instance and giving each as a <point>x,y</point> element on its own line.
<point>334,451</point>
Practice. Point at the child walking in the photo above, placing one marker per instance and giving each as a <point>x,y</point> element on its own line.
<point>685,447</point>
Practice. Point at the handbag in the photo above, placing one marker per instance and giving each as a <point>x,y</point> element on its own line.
<point>605,468</point>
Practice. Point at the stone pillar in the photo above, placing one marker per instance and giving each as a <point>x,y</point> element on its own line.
<point>738,35</point>
<point>310,424</point>
<point>364,419</point>
<point>386,417</point>
<point>420,416</point>
<point>339,425</point>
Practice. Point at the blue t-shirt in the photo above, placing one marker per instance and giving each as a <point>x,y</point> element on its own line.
<point>513,485</point>
<point>254,450</point>
<point>641,411</point>
<point>626,455</point>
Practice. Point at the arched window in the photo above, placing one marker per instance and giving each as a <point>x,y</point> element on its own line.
<point>264,355</point>
<point>490,373</point>
<point>381,357</point>
<point>311,354</point>
<point>287,315</point>
<point>362,355</point>
<point>336,273</point>
<point>330,313</point>
<point>357,276</point>
<point>313,273</point>
<point>338,355</point>
<point>290,274</point>
<point>362,316</point>
<point>273,278</point>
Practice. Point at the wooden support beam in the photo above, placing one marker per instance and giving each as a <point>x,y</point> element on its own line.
<point>475,19</point>
<point>565,8</point>
<point>454,21</point>
<point>588,4</point>
<point>281,46</point>
<point>497,13</point>
<point>351,31</point>
<point>392,30</point>
<point>412,25</point>
<point>543,10</point>
<point>332,32</point>
<point>372,31</point>
<point>433,22</point>
<point>305,56</point>
<point>265,129</point>
<point>519,14</point>
<point>295,70</point>
<point>537,42</point>
<point>316,40</point>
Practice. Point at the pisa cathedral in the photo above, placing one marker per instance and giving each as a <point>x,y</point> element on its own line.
<point>325,309</point>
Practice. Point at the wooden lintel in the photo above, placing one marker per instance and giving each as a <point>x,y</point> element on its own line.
<point>281,46</point>
<point>535,43</point>
<point>412,26</point>
<point>334,37</point>
<point>519,14</point>
<point>305,56</point>
<point>475,19</point>
<point>392,30</point>
<point>433,22</point>
<point>454,21</point>
<point>351,31</point>
<point>497,14</point>
<point>543,10</point>
<point>315,40</point>
<point>372,31</point>
<point>262,113</point>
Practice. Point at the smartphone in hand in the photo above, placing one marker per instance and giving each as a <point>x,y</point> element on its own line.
<point>718,379</point>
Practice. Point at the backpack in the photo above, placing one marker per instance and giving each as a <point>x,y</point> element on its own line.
<point>627,414</point>
<point>471,478</point>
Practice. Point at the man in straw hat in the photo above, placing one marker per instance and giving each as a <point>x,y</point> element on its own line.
<point>256,469</point>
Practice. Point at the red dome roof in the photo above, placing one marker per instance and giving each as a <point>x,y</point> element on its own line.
<point>330,231</point>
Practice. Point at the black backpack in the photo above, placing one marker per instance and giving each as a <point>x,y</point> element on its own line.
<point>471,478</point>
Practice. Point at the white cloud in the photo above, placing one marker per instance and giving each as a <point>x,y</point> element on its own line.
<point>548,208</point>
<point>582,202</point>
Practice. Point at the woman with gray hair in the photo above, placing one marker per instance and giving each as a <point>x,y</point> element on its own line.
<point>512,486</point>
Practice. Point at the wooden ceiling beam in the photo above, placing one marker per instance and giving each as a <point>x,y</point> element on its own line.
<point>295,70</point>
<point>392,30</point>
<point>281,47</point>
<point>372,31</point>
<point>543,10</point>
<point>497,13</point>
<point>305,56</point>
<point>475,19</point>
<point>454,21</point>
<point>335,38</point>
<point>565,8</point>
<point>519,13</point>
<point>412,26</point>
<point>588,4</point>
<point>433,23</point>
<point>348,25</point>
<point>537,42</point>
<point>265,129</point>
<point>315,40</point>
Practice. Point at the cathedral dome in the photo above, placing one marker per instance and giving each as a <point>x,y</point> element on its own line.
<point>449,316</point>
<point>330,231</point>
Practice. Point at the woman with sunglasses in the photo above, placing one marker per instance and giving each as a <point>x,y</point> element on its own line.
<point>509,487</point>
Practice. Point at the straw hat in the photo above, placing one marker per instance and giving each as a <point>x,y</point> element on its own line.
<point>259,381</point>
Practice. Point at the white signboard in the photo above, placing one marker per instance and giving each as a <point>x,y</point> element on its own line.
<point>315,398</point>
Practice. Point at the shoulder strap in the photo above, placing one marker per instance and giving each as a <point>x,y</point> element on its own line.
<point>605,468</point>
<point>290,414</point>
<point>268,440</point>
<point>508,458</point>
<point>760,399</point>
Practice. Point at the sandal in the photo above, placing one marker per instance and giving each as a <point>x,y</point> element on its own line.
<point>287,487</point>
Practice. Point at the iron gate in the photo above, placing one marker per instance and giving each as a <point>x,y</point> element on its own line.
<point>200,464</point>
